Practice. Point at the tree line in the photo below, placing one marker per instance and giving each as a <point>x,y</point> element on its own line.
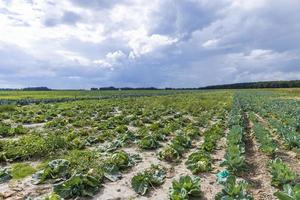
<point>262,84</point>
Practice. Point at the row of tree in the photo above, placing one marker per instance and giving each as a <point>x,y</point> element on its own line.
<point>28,89</point>
<point>249,85</point>
<point>263,84</point>
<point>125,88</point>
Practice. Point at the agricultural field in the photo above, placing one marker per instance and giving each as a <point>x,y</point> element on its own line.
<point>178,145</point>
<point>21,97</point>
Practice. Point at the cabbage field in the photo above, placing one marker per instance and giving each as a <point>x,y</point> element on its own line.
<point>178,145</point>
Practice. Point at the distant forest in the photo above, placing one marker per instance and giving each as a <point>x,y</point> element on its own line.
<point>263,84</point>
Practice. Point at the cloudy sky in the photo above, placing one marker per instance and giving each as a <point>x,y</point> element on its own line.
<point>142,43</point>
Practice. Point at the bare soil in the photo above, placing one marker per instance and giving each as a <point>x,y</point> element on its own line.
<point>121,190</point>
<point>256,173</point>
<point>19,190</point>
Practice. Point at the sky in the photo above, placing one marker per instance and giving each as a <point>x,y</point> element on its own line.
<point>76,44</point>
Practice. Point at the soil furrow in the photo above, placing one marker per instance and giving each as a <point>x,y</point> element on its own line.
<point>257,174</point>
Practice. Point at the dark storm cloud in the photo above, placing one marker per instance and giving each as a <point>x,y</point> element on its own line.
<point>184,17</point>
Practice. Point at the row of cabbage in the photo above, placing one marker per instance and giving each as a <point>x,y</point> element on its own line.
<point>283,178</point>
<point>234,187</point>
<point>282,114</point>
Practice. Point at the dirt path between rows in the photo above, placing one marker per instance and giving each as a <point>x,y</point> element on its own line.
<point>121,190</point>
<point>23,188</point>
<point>19,190</point>
<point>209,184</point>
<point>257,174</point>
<point>288,156</point>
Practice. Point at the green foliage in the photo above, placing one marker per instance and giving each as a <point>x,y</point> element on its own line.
<point>118,161</point>
<point>21,170</point>
<point>234,189</point>
<point>173,151</point>
<point>290,136</point>
<point>24,148</point>
<point>235,135</point>
<point>56,169</point>
<point>148,142</point>
<point>7,108</point>
<point>33,145</point>
<point>266,143</point>
<point>234,159</point>
<point>5,174</point>
<point>53,196</point>
<point>185,188</point>
<point>199,162</point>
<point>289,192</point>
<point>4,129</point>
<point>154,176</point>
<point>77,143</point>
<point>84,161</point>
<point>181,140</point>
<point>211,136</point>
<point>169,153</point>
<point>281,173</point>
<point>112,172</point>
<point>78,185</point>
<point>282,114</point>
<point>19,130</point>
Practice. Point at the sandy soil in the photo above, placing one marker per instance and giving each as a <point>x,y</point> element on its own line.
<point>34,125</point>
<point>19,190</point>
<point>209,185</point>
<point>292,98</point>
<point>121,190</point>
<point>257,174</point>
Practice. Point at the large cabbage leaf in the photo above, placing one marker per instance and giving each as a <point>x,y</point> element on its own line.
<point>5,174</point>
<point>185,188</point>
<point>151,177</point>
<point>234,189</point>
<point>56,170</point>
<point>78,185</point>
<point>289,192</point>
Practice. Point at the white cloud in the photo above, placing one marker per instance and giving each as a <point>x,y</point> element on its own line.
<point>182,43</point>
<point>111,60</point>
<point>142,43</point>
<point>262,56</point>
<point>211,43</point>
<point>74,57</point>
<point>248,5</point>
